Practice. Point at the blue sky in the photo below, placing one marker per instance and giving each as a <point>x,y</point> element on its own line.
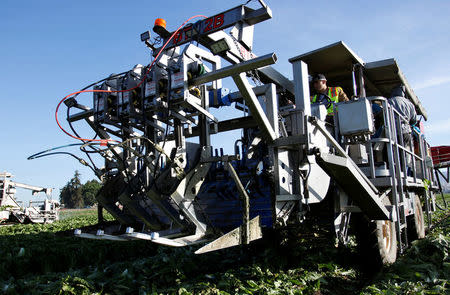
<point>52,48</point>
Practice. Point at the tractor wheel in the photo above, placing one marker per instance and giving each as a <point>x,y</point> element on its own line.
<point>416,222</point>
<point>377,242</point>
<point>386,237</point>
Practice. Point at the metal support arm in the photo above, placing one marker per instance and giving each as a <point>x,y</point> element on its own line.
<point>255,108</point>
<point>246,205</point>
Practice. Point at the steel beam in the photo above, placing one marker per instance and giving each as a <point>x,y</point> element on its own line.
<point>80,116</point>
<point>272,107</point>
<point>301,85</point>
<point>254,106</point>
<point>259,62</point>
<point>246,205</point>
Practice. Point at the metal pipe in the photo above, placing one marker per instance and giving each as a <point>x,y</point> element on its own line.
<point>259,62</point>
<point>399,198</point>
<point>301,87</point>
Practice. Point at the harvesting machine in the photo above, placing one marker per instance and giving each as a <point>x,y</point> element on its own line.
<point>13,210</point>
<point>163,181</point>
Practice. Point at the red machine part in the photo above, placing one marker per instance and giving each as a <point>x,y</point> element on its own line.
<point>440,154</point>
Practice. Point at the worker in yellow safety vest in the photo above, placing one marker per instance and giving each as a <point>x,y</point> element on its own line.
<point>327,95</point>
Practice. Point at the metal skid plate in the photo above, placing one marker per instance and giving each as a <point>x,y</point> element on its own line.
<point>233,238</point>
<point>230,239</point>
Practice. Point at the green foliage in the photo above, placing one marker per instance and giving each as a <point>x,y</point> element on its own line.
<point>77,195</point>
<point>89,191</point>
<point>5,207</point>
<point>425,267</point>
<point>36,259</point>
<point>71,194</point>
<point>79,213</point>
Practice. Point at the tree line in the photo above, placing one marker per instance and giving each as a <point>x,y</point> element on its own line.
<point>77,195</point>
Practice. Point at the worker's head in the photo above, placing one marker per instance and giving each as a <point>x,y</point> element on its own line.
<point>320,82</point>
<point>399,90</point>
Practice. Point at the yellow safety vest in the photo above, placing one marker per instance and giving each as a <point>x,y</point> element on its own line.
<point>333,93</point>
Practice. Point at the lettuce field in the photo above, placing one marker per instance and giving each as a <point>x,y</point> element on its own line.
<point>47,259</point>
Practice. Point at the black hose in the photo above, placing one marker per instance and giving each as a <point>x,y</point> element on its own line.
<point>445,203</point>
<point>77,135</point>
<point>36,156</point>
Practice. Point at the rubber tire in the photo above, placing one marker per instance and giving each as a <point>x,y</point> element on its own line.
<point>386,238</point>
<point>416,222</point>
<point>374,249</point>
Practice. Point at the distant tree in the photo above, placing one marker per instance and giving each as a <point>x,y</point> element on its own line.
<point>89,190</point>
<point>71,194</point>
